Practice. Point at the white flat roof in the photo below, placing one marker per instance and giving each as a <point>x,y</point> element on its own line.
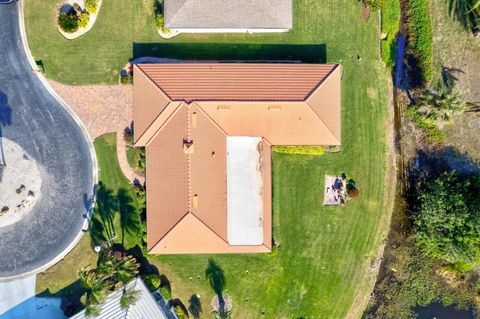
<point>244,191</point>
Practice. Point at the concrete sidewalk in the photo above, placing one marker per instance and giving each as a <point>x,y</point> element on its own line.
<point>18,301</point>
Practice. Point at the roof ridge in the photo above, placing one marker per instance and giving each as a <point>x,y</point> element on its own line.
<point>167,120</point>
<point>189,213</point>
<point>153,82</point>
<point>169,231</point>
<point>311,93</point>
<point>220,128</point>
<point>335,66</point>
<point>189,160</point>
<point>206,225</point>
<point>328,128</point>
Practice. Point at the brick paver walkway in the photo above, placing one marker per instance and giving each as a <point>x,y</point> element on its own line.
<point>103,109</point>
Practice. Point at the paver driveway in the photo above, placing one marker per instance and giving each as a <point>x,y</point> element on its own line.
<point>49,134</point>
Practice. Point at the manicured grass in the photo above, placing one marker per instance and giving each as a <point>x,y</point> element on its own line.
<point>390,24</point>
<point>112,178</point>
<point>132,157</point>
<point>323,266</point>
<point>126,26</point>
<point>61,279</point>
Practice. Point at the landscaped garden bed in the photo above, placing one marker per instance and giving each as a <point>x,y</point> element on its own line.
<point>165,33</point>
<point>77,17</point>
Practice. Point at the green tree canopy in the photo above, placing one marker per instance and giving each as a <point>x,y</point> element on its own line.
<point>447,219</point>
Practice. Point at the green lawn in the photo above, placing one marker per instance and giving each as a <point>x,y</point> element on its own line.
<point>61,279</point>
<point>323,267</point>
<point>98,56</point>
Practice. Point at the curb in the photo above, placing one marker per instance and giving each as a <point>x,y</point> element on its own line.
<point>93,156</point>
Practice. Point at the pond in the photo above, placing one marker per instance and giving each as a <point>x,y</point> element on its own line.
<point>439,311</point>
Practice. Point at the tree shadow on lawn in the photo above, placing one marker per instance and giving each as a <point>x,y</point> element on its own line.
<point>109,204</point>
<point>312,53</point>
<point>195,306</point>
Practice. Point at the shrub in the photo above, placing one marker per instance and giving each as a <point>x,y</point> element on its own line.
<point>160,21</point>
<point>165,292</point>
<point>126,79</point>
<point>83,19</point>
<point>180,312</point>
<point>447,218</point>
<point>152,281</point>
<point>305,150</point>
<point>67,21</point>
<point>91,6</point>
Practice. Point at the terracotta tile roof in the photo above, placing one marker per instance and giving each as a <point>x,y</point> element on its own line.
<point>185,139</point>
<point>237,81</point>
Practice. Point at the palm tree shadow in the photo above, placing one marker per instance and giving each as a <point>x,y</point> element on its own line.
<point>5,119</point>
<point>216,277</point>
<point>449,76</point>
<point>101,225</point>
<point>195,306</point>
<point>129,217</point>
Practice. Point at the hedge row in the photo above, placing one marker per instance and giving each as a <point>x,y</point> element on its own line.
<point>419,27</point>
<point>305,149</point>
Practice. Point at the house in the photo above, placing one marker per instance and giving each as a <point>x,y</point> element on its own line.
<point>228,15</point>
<point>146,305</point>
<point>208,130</point>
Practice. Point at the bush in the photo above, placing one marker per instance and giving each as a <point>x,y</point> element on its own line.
<point>67,21</point>
<point>83,19</point>
<point>91,6</point>
<point>305,150</point>
<point>152,281</point>
<point>447,218</point>
<point>160,21</point>
<point>180,312</point>
<point>165,292</point>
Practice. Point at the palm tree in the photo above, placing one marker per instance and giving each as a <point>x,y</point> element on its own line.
<point>440,104</point>
<point>126,269</point>
<point>129,297</point>
<point>111,273</point>
<point>466,11</point>
<point>5,119</point>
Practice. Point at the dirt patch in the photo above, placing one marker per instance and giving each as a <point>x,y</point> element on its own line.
<point>20,183</point>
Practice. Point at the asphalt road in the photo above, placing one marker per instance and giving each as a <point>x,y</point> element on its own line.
<point>36,121</point>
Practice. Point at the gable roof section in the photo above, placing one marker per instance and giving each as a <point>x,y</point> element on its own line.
<point>152,100</point>
<point>326,102</point>
<point>227,14</point>
<point>167,173</point>
<point>192,236</point>
<point>237,81</point>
